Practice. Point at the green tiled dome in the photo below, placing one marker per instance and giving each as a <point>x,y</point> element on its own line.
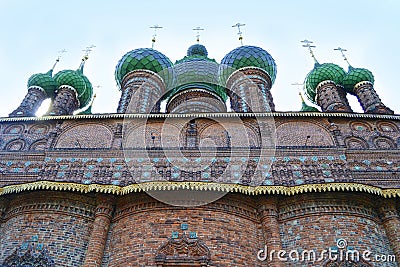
<point>142,58</point>
<point>307,108</point>
<point>197,69</point>
<point>78,81</point>
<point>85,98</point>
<point>249,56</point>
<point>320,73</point>
<point>45,81</point>
<point>356,75</point>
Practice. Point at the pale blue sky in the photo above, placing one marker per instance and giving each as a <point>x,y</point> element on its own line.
<point>33,31</point>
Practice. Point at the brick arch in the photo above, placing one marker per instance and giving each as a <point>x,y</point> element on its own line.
<point>254,135</point>
<point>213,131</point>
<point>301,133</point>
<point>383,142</point>
<point>15,145</point>
<point>152,135</point>
<point>41,128</point>
<point>91,135</point>
<point>386,126</point>
<point>225,134</point>
<point>356,143</point>
<point>14,129</point>
<point>38,145</point>
<point>360,126</point>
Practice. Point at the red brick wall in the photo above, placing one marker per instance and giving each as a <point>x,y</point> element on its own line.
<point>141,226</point>
<point>62,222</point>
<point>234,228</point>
<point>317,221</point>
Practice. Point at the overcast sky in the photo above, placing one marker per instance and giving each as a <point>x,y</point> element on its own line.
<point>32,32</point>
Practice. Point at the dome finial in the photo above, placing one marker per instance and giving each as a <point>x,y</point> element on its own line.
<point>198,29</point>
<point>238,25</point>
<point>85,56</point>
<point>307,44</point>
<point>299,89</point>
<point>342,50</point>
<point>153,40</point>
<point>58,59</point>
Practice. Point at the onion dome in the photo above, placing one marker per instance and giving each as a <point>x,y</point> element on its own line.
<point>320,73</point>
<point>44,81</point>
<point>88,109</point>
<point>356,75</point>
<point>197,70</point>
<point>87,95</point>
<point>197,49</point>
<point>78,81</point>
<point>250,56</point>
<point>305,107</point>
<point>141,58</point>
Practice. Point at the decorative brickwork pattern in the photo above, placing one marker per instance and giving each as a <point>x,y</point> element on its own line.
<point>331,98</point>
<point>81,136</point>
<point>141,92</point>
<point>249,90</point>
<point>195,100</point>
<point>62,223</point>
<point>65,102</point>
<point>369,99</point>
<point>306,134</point>
<point>309,196</point>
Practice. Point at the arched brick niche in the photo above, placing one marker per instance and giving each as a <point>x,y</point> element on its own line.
<point>302,133</point>
<point>89,135</point>
<point>353,142</point>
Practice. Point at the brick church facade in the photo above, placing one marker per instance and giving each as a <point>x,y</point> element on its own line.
<point>177,177</point>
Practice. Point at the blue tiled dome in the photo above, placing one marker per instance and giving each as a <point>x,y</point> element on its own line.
<point>197,49</point>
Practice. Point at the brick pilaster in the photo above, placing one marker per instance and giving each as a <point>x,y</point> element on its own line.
<point>98,236</point>
<point>268,212</point>
<point>391,222</point>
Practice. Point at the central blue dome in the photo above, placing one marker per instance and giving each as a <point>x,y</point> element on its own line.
<point>197,49</point>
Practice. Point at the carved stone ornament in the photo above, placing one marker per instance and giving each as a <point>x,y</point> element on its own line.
<point>32,256</point>
<point>183,252</point>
